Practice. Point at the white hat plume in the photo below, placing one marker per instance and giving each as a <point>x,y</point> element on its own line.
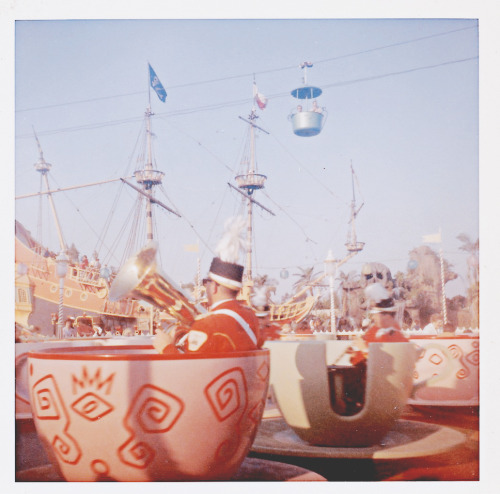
<point>232,241</point>
<point>259,298</point>
<point>376,292</point>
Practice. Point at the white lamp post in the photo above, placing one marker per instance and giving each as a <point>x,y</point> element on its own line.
<point>22,269</point>
<point>62,262</point>
<point>331,271</point>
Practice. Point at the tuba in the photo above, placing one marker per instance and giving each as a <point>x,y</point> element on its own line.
<point>140,278</point>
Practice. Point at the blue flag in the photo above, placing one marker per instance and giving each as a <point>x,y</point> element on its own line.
<point>156,84</point>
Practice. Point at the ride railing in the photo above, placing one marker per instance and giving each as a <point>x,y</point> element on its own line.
<point>89,276</point>
<point>39,269</point>
<point>288,312</point>
<point>458,332</point>
<point>126,307</point>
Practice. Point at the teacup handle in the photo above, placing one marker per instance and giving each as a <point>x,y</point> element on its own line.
<point>431,380</point>
<point>21,391</point>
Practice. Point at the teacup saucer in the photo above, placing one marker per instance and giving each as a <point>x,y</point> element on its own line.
<point>407,439</point>
<point>252,469</point>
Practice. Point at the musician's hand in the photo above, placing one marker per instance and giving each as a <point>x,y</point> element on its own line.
<point>162,341</point>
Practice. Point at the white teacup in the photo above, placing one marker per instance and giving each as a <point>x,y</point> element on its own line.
<point>299,382</point>
<point>131,414</point>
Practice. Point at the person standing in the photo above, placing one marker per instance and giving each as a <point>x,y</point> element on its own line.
<point>261,305</point>
<point>69,331</point>
<point>434,326</point>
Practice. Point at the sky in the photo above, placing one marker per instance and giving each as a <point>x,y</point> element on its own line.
<point>401,97</point>
<point>400,83</point>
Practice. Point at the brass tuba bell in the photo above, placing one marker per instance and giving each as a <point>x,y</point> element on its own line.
<point>140,278</point>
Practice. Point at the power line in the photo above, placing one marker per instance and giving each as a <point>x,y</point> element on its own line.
<point>242,101</point>
<point>252,74</point>
<point>80,101</point>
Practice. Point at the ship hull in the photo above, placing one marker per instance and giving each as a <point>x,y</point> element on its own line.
<point>84,291</point>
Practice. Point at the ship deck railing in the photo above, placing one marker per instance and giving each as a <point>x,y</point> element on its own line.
<point>89,276</point>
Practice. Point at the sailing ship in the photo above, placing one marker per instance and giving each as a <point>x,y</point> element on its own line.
<point>248,181</point>
<point>44,294</point>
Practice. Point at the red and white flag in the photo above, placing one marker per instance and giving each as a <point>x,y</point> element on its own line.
<point>260,99</point>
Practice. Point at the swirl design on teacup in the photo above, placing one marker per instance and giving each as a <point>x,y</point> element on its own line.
<point>227,449</point>
<point>473,357</point>
<point>48,405</point>
<point>457,353</point>
<point>227,393</point>
<point>136,453</point>
<point>154,415</point>
<point>152,410</point>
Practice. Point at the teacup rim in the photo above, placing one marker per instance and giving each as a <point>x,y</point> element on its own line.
<point>119,352</point>
<point>440,337</point>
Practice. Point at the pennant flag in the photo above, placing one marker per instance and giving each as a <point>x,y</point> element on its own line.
<point>260,99</point>
<point>191,248</point>
<point>434,238</point>
<point>156,84</point>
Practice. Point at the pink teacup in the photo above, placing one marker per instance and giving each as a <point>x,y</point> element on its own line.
<point>455,363</point>
<point>131,414</point>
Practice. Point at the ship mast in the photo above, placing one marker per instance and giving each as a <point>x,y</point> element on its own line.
<point>352,245</point>
<point>250,182</point>
<point>148,177</point>
<point>43,167</point>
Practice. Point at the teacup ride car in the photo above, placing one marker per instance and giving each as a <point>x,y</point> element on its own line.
<point>129,413</point>
<point>309,384</point>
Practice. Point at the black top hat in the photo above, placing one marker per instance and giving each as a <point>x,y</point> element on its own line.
<point>226,274</point>
<point>386,305</point>
<point>381,300</point>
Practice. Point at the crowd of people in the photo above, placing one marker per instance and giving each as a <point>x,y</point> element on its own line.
<point>232,324</point>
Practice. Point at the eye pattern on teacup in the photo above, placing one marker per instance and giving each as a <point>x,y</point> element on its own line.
<point>92,407</point>
<point>263,371</point>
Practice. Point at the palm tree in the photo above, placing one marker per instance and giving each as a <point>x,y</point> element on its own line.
<point>473,260</point>
<point>350,284</point>
<point>306,277</point>
<point>264,280</point>
<point>473,274</point>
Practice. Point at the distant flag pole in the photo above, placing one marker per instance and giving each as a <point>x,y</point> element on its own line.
<point>197,289</point>
<point>192,247</point>
<point>436,238</point>
<point>433,238</point>
<point>156,84</point>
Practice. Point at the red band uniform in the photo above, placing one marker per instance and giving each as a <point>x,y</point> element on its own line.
<point>228,326</point>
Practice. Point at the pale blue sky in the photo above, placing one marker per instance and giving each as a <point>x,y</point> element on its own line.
<point>402,101</point>
<point>413,138</point>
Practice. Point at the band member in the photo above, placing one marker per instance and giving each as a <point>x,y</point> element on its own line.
<point>229,324</point>
<point>261,306</point>
<point>384,328</point>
